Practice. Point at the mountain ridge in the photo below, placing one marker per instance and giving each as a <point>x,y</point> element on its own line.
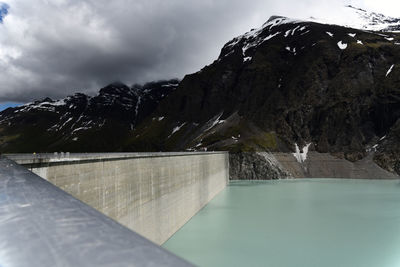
<point>351,82</point>
<point>288,84</point>
<point>113,112</point>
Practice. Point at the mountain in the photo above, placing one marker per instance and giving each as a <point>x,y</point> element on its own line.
<point>376,21</point>
<point>354,17</point>
<point>81,122</point>
<point>290,83</point>
<point>288,86</point>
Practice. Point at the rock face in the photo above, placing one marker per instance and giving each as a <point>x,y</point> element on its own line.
<point>80,122</point>
<point>289,82</point>
<point>388,150</point>
<point>255,166</point>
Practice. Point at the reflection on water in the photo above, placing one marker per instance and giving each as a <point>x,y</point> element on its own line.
<point>305,222</point>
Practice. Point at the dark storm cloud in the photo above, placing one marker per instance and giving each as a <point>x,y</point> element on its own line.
<point>57,47</point>
<point>54,48</point>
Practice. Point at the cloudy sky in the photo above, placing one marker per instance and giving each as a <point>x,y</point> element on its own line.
<point>58,47</point>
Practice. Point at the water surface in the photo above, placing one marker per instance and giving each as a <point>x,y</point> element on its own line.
<point>307,222</point>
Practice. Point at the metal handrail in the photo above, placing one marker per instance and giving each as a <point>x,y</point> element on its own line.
<point>41,225</point>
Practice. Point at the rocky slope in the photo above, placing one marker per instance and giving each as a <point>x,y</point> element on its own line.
<point>81,122</point>
<point>289,82</point>
<point>256,166</point>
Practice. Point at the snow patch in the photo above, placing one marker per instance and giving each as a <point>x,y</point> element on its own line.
<point>49,106</point>
<point>372,149</point>
<point>252,40</point>
<point>170,85</point>
<point>65,123</point>
<point>359,42</point>
<point>247,59</point>
<point>139,100</point>
<point>330,34</point>
<point>254,37</point>
<point>236,139</point>
<point>213,122</point>
<point>390,70</point>
<point>353,17</point>
<point>342,45</point>
<point>389,38</point>
<point>199,144</point>
<point>271,36</point>
<point>80,129</point>
<point>305,32</point>
<point>291,50</point>
<point>351,35</point>
<point>292,31</point>
<point>279,21</point>
<point>301,156</point>
<point>177,128</point>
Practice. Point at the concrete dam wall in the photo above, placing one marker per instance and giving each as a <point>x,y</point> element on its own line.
<point>153,194</point>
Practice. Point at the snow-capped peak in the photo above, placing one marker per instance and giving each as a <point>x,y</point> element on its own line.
<point>263,34</point>
<point>279,20</point>
<point>271,23</point>
<point>353,17</point>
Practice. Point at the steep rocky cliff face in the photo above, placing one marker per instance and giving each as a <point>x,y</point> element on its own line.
<point>289,82</point>
<point>387,149</point>
<point>255,166</point>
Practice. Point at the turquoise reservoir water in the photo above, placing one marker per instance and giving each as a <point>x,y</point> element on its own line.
<point>310,222</point>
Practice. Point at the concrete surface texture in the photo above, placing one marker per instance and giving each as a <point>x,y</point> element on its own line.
<point>324,165</point>
<point>41,225</point>
<point>153,194</point>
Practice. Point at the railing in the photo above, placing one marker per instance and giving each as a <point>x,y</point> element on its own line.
<point>41,225</point>
<point>44,158</point>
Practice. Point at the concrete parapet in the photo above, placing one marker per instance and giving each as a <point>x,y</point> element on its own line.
<point>153,194</point>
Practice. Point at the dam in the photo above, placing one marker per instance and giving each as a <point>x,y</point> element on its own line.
<point>106,205</point>
<point>153,194</point>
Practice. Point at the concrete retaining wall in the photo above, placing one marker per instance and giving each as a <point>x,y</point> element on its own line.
<point>152,194</point>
